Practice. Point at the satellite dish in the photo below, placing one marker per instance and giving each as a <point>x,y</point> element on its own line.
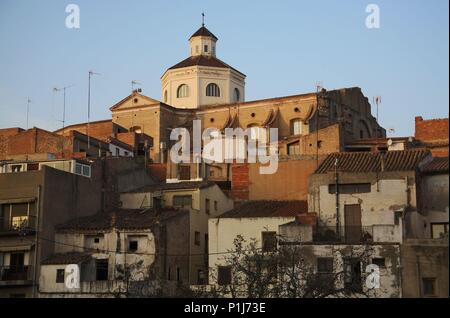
<point>389,142</point>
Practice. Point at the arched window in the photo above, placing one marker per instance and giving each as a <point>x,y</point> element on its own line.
<point>165,96</point>
<point>296,127</point>
<point>213,90</point>
<point>256,132</point>
<point>237,95</point>
<point>182,91</point>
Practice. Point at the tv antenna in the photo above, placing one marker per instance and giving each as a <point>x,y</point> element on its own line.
<point>55,89</point>
<point>133,83</point>
<point>377,101</point>
<point>28,109</point>
<point>89,107</point>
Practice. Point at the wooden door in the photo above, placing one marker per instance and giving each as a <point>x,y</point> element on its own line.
<point>353,228</point>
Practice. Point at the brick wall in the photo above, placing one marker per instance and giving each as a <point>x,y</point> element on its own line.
<point>431,130</point>
<point>240,182</point>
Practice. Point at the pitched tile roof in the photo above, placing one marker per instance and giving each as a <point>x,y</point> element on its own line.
<point>437,165</point>
<point>203,31</point>
<point>405,160</point>
<point>67,258</point>
<point>183,185</point>
<point>121,219</point>
<point>263,208</point>
<point>203,60</point>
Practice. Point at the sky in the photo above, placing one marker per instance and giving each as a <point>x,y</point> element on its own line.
<point>284,47</point>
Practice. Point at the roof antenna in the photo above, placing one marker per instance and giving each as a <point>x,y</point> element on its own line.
<point>203,19</point>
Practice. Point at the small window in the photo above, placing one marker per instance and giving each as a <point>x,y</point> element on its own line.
<point>133,246</point>
<point>77,168</point>
<point>178,275</point>
<point>439,230</point>
<point>182,91</point>
<point>224,275</point>
<point>184,172</point>
<point>16,168</point>
<point>216,206</point>
<point>429,287</point>
<point>197,238</point>
<point>182,201</point>
<point>325,265</point>
<point>60,275</point>
<point>201,277</point>
<point>96,240</point>
<point>32,166</point>
<point>213,90</point>
<point>269,241</point>
<point>101,269</point>
<point>117,152</point>
<point>207,206</point>
<point>86,171</point>
<point>206,49</point>
<point>379,261</point>
<point>237,95</point>
<point>296,127</point>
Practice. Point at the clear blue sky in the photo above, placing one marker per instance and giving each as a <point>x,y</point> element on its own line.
<point>284,47</point>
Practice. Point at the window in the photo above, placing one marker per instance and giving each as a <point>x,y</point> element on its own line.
<point>325,264</point>
<point>207,206</point>
<point>133,246</point>
<point>182,201</point>
<point>269,241</point>
<point>126,153</point>
<point>379,261</point>
<point>224,275</point>
<point>350,188</point>
<point>197,238</point>
<point>201,277</point>
<point>293,148</point>
<point>184,172</point>
<point>182,91</point>
<point>213,90</point>
<point>178,275</point>
<point>101,269</point>
<point>60,275</point>
<point>397,217</point>
<point>96,240</point>
<point>237,95</point>
<point>439,230</point>
<point>32,166</point>
<point>296,127</point>
<point>16,168</point>
<point>206,49</point>
<point>352,275</point>
<point>429,287</point>
<point>117,152</point>
<point>216,206</point>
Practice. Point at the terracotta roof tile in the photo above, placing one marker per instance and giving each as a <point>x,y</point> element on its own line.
<point>203,31</point>
<point>120,219</point>
<point>67,258</point>
<point>437,165</point>
<point>255,209</point>
<point>203,60</point>
<point>374,162</point>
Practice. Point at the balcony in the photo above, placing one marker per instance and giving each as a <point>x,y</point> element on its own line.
<point>22,225</point>
<point>343,234</point>
<point>16,275</point>
<point>377,233</point>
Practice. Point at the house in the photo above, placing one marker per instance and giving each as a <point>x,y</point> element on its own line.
<point>433,134</point>
<point>32,202</point>
<point>257,220</point>
<point>203,200</point>
<point>434,197</point>
<point>364,196</point>
<point>116,252</point>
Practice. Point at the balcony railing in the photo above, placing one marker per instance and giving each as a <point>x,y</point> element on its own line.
<point>18,224</point>
<point>343,234</point>
<point>17,272</point>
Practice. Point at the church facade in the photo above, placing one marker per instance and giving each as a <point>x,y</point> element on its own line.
<point>204,88</point>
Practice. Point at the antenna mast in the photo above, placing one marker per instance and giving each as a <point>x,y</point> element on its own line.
<point>28,109</point>
<point>89,108</point>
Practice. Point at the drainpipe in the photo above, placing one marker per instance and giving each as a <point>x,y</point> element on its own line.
<point>36,251</point>
<point>336,180</point>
